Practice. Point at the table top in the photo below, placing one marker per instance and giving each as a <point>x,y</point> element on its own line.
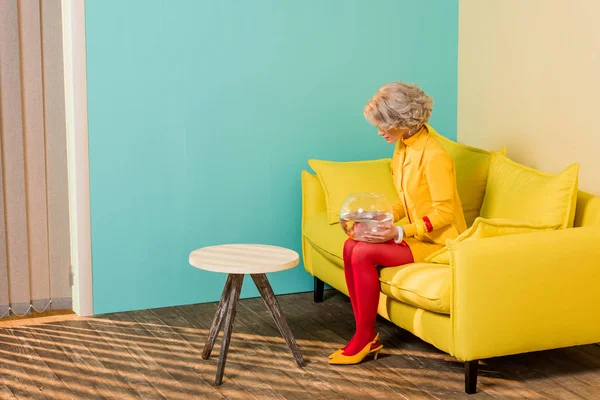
<point>244,258</point>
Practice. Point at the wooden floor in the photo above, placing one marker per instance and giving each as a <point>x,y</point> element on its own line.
<point>155,354</point>
<point>34,317</point>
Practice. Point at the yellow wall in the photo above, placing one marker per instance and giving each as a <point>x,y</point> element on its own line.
<point>529,78</point>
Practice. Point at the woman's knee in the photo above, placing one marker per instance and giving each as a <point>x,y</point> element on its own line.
<point>363,252</point>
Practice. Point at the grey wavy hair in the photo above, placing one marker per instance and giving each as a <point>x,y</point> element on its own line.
<point>399,105</point>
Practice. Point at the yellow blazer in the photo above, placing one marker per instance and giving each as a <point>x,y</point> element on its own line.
<point>425,179</point>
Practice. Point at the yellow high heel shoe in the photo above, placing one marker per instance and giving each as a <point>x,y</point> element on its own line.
<point>340,351</point>
<point>341,359</point>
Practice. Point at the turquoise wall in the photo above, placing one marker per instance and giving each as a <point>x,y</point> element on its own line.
<point>202,115</point>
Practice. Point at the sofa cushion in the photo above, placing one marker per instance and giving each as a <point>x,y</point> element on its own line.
<point>425,286</point>
<point>471,165</point>
<point>340,179</point>
<point>486,228</point>
<point>517,192</point>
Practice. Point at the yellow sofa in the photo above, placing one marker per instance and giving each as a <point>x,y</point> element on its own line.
<point>495,296</point>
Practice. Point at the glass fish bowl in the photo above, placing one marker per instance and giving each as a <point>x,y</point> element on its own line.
<point>365,212</point>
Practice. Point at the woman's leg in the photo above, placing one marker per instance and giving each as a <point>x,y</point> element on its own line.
<point>364,259</point>
<point>349,274</point>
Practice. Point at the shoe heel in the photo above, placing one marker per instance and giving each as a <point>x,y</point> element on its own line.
<point>377,352</point>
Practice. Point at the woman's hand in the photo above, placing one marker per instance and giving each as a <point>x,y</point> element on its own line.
<point>387,231</point>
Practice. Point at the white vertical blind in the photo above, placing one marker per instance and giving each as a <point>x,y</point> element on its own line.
<point>35,148</point>
<point>34,217</point>
<point>56,149</point>
<point>13,158</point>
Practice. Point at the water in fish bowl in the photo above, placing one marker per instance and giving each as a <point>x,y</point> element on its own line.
<point>365,212</point>
<point>356,224</point>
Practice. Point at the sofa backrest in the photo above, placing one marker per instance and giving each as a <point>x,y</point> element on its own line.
<point>471,175</point>
<point>587,212</point>
<point>471,166</point>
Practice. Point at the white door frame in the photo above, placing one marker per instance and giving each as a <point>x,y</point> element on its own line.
<point>74,53</point>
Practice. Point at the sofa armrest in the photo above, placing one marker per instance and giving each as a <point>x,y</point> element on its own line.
<point>313,202</point>
<point>313,197</point>
<point>528,292</point>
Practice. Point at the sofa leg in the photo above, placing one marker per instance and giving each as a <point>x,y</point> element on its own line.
<point>319,287</point>
<point>471,368</point>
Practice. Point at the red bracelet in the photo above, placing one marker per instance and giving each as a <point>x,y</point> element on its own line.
<point>428,224</point>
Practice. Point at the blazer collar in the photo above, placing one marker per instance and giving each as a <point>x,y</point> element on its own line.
<point>417,143</point>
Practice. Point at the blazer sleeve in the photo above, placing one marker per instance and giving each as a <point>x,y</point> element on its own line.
<point>440,175</point>
<point>399,211</point>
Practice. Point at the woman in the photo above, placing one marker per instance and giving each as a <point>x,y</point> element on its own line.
<point>424,177</point>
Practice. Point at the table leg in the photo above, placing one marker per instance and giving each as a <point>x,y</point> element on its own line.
<point>234,295</point>
<point>264,287</point>
<point>218,320</point>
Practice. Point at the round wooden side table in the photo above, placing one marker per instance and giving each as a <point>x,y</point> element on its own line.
<point>236,260</point>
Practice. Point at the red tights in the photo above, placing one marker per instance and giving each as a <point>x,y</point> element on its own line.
<point>362,279</point>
